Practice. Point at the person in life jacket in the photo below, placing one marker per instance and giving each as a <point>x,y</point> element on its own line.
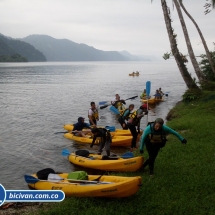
<point>133,118</point>
<point>77,129</point>
<point>154,137</point>
<point>106,139</point>
<point>93,114</point>
<point>118,103</point>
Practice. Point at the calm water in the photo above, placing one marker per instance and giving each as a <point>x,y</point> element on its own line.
<point>37,99</point>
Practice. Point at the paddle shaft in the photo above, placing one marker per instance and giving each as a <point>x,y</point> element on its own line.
<point>102,107</point>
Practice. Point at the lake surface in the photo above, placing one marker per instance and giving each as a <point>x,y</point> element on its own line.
<point>37,99</point>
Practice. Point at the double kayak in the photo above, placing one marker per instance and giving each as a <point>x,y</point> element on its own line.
<point>113,130</point>
<point>116,140</point>
<point>107,186</point>
<point>152,100</point>
<point>115,163</point>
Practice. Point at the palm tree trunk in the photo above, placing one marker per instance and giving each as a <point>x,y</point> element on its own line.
<point>189,46</point>
<point>178,58</point>
<point>201,36</point>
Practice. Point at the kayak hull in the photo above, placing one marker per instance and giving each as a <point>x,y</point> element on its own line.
<point>116,140</point>
<point>152,100</point>
<point>95,162</point>
<point>117,132</point>
<point>118,188</point>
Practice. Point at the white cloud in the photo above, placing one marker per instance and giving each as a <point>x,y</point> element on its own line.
<point>133,25</point>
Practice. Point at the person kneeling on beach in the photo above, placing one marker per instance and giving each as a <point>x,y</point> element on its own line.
<point>105,142</point>
<point>154,137</point>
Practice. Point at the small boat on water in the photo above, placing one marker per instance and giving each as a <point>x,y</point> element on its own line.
<point>152,100</point>
<point>134,74</point>
<point>107,186</point>
<point>124,163</point>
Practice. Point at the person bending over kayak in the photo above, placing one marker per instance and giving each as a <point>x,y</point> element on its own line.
<point>154,137</point>
<point>133,118</point>
<point>105,142</point>
<point>77,129</point>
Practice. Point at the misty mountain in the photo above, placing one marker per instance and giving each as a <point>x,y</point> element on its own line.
<point>67,50</point>
<point>10,46</point>
<point>135,57</point>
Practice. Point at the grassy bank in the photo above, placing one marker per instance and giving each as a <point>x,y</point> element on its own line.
<point>184,174</point>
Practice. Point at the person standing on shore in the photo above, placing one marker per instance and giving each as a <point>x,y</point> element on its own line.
<point>93,114</point>
<point>154,138</point>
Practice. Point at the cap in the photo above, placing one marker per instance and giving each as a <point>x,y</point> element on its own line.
<point>80,119</point>
<point>144,106</point>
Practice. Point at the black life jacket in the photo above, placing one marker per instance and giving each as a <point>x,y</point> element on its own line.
<point>156,139</point>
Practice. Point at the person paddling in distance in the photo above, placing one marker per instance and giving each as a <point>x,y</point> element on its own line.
<point>154,137</point>
<point>105,142</point>
<point>77,129</point>
<point>118,103</point>
<point>93,114</point>
<point>161,93</point>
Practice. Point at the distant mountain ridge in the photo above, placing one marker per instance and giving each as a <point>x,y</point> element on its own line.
<point>67,50</point>
<point>10,46</point>
<point>39,48</point>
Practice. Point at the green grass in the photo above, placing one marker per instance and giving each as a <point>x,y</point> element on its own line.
<point>184,181</point>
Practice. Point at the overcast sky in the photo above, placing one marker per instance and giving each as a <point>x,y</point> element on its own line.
<point>136,26</point>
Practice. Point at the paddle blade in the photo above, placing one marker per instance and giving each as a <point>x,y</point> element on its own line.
<point>104,106</point>
<point>148,88</point>
<point>102,103</point>
<point>114,110</point>
<point>127,155</point>
<point>30,179</point>
<point>65,152</point>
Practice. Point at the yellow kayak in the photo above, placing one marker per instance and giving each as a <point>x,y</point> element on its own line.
<point>152,100</point>
<point>95,161</point>
<point>116,140</point>
<point>117,132</point>
<point>117,187</point>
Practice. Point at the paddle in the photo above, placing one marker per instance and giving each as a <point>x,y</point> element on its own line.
<point>32,180</point>
<point>126,155</point>
<point>114,110</point>
<point>148,89</point>
<point>102,107</point>
<point>64,132</point>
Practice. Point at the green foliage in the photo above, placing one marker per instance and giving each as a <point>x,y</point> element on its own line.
<point>10,47</point>
<point>13,58</point>
<point>191,94</point>
<point>206,68</point>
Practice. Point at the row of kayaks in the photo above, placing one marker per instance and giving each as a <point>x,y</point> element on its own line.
<point>107,186</point>
<point>95,185</point>
<point>120,137</point>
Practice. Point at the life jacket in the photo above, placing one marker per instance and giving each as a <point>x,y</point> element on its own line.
<point>95,115</point>
<point>108,135</point>
<point>129,115</point>
<point>119,105</point>
<point>158,139</point>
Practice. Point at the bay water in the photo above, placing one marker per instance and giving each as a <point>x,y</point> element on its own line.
<point>37,99</point>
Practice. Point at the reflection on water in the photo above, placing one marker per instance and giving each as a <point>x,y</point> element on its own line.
<point>37,99</point>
